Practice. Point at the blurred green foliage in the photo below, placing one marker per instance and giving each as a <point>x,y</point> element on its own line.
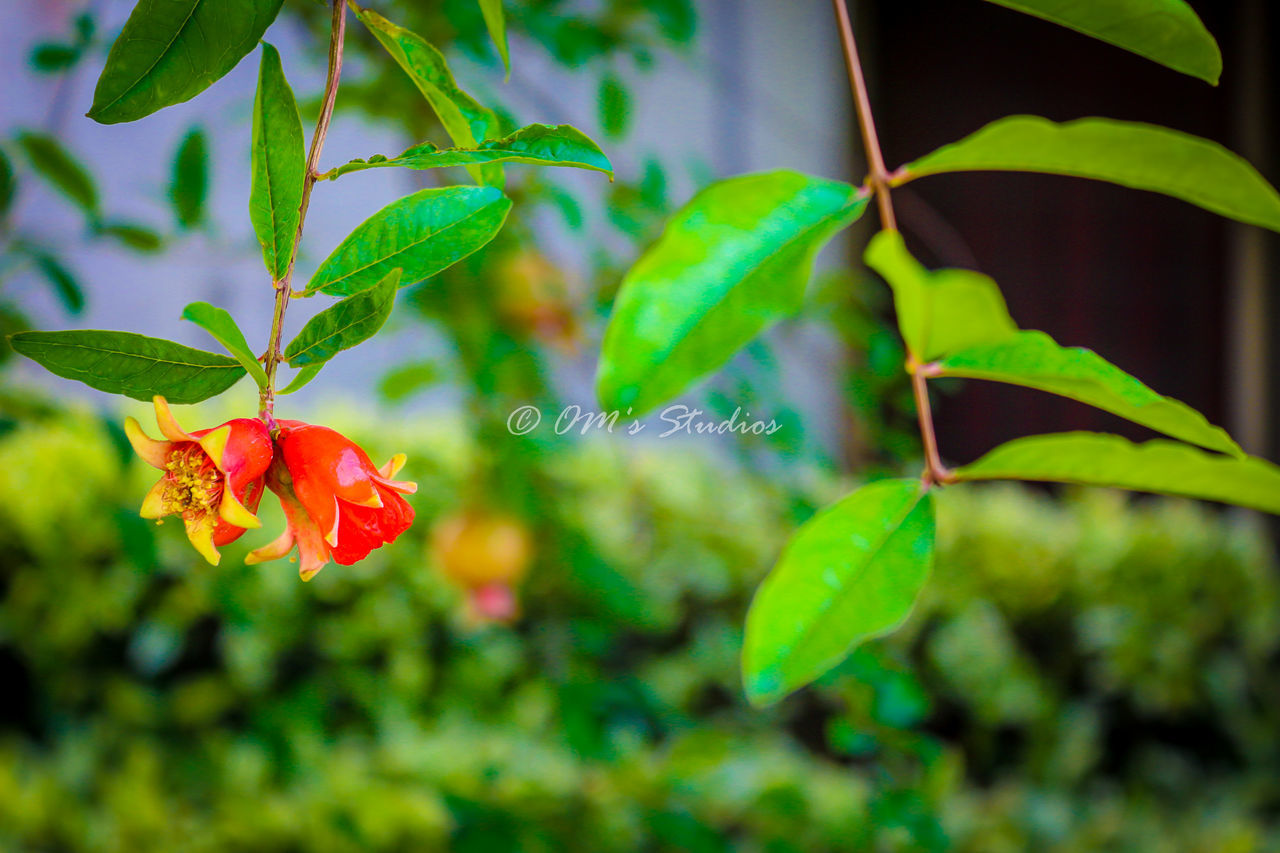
<point>1090,674</point>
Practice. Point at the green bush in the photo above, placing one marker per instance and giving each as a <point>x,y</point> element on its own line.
<point>1090,673</point>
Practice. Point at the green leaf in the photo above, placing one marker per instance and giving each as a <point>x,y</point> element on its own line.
<point>279,165</point>
<point>464,119</point>
<point>405,380</point>
<point>1166,467</point>
<point>189,180</point>
<point>302,378</point>
<point>850,574</point>
<point>8,184</point>
<point>344,324</point>
<point>222,326</point>
<point>63,282</point>
<point>733,260</point>
<point>421,233</point>
<point>1034,360</point>
<point>54,57</point>
<point>1164,31</point>
<point>172,50</point>
<point>939,311</point>
<point>140,238</point>
<point>62,170</point>
<point>496,22</point>
<point>1142,156</point>
<point>537,144</point>
<point>614,103</point>
<point>133,365</point>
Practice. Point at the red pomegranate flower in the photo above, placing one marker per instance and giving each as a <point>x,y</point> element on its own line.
<point>336,502</point>
<point>213,477</point>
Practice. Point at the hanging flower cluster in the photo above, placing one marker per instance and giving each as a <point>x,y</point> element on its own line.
<point>338,505</point>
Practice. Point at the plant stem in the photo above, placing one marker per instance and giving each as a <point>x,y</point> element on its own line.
<point>878,179</point>
<point>337,32</point>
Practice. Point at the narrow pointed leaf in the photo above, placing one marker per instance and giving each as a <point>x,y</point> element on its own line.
<point>131,235</point>
<point>172,50</point>
<point>8,184</point>
<point>302,378</point>
<point>850,574</point>
<point>133,365</point>
<point>1034,360</point>
<point>464,119</point>
<point>1142,156</point>
<point>537,144</point>
<point>61,169</point>
<point>279,164</point>
<point>344,324</point>
<point>938,311</point>
<point>222,326</point>
<point>189,180</point>
<point>421,233</point>
<point>1165,31</point>
<point>60,278</point>
<point>732,261</point>
<point>1161,466</point>
<point>496,22</point>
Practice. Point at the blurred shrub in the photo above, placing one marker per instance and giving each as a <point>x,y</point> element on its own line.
<point>1085,674</point>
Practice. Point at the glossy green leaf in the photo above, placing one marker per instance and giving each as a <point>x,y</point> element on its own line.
<point>938,311</point>
<point>131,235</point>
<point>537,144</point>
<point>189,179</point>
<point>344,324</point>
<point>1142,156</point>
<point>732,261</point>
<point>133,365</point>
<point>63,171</point>
<point>421,233</point>
<point>61,279</point>
<point>279,165</point>
<point>1165,31</point>
<point>302,378</point>
<point>219,323</point>
<point>1161,466</point>
<point>496,22</point>
<point>8,184</point>
<point>1034,360</point>
<point>172,50</point>
<point>464,119</point>
<point>850,574</point>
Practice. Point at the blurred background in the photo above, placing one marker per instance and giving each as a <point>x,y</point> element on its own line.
<point>548,659</point>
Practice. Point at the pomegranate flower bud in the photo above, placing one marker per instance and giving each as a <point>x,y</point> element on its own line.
<point>337,504</point>
<point>213,477</point>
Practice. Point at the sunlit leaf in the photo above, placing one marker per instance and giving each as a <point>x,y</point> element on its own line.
<point>133,365</point>
<point>189,179</point>
<point>942,310</point>
<point>302,378</point>
<point>1161,466</point>
<point>537,144</point>
<point>344,324</point>
<point>279,164</point>
<point>1165,31</point>
<point>851,573</point>
<point>1142,156</point>
<point>464,119</point>
<point>1034,360</point>
<point>172,50</point>
<point>421,233</point>
<point>496,22</point>
<point>735,259</point>
<point>222,326</point>
<point>61,169</point>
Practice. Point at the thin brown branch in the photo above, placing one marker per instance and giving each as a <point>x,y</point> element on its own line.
<point>879,177</point>
<point>337,34</point>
